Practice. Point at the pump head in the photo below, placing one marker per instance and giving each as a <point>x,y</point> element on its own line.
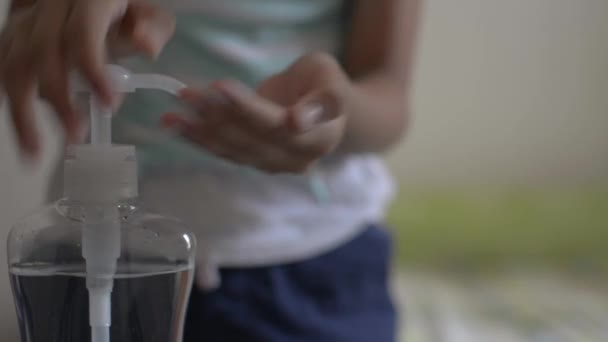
<point>100,175</point>
<point>101,172</point>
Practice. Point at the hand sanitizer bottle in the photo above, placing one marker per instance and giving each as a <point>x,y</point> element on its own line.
<point>95,266</point>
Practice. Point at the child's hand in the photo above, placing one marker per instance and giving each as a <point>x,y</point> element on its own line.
<point>292,120</point>
<point>42,43</point>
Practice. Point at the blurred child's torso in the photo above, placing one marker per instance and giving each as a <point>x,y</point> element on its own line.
<point>242,216</point>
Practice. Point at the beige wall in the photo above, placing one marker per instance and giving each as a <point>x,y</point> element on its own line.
<point>510,92</point>
<point>506,92</point>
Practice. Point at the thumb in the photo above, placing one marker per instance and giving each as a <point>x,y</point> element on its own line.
<point>144,29</point>
<point>314,109</point>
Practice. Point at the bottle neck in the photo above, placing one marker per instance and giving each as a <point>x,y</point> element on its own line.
<point>127,201</point>
<point>100,194</point>
<point>100,174</point>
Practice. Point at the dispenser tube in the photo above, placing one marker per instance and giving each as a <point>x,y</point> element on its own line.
<point>100,313</point>
<point>100,334</point>
<point>159,82</point>
<point>101,248</point>
<point>101,123</point>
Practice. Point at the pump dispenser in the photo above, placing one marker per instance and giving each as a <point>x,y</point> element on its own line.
<point>96,253</point>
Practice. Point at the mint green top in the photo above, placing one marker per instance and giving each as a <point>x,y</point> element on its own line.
<point>247,40</point>
<point>242,216</point>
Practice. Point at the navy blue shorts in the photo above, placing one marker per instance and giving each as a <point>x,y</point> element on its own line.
<point>341,296</point>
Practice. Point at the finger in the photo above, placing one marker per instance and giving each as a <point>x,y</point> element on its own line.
<point>153,28</point>
<point>54,88</point>
<point>200,135</point>
<point>232,142</point>
<point>244,147</point>
<point>21,101</point>
<point>249,108</point>
<point>173,120</point>
<point>314,109</point>
<point>48,24</point>
<point>314,121</point>
<point>91,21</point>
<point>273,152</point>
<point>226,141</point>
<point>144,29</point>
<point>318,142</point>
<point>4,44</point>
<point>225,148</point>
<point>210,105</point>
<point>215,108</point>
<point>236,143</point>
<point>192,130</point>
<point>53,73</point>
<point>278,159</point>
<point>19,83</point>
<point>15,41</point>
<point>305,117</point>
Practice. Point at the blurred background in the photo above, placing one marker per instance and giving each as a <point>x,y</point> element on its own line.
<point>502,217</point>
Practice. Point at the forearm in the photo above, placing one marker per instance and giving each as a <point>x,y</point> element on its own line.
<point>377,114</point>
<point>379,58</point>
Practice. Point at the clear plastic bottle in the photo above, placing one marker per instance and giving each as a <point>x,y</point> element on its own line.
<point>95,266</point>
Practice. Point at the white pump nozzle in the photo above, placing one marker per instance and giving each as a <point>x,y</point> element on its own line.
<point>100,175</point>
<point>123,81</point>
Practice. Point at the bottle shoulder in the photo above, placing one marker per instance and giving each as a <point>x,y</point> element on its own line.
<point>53,234</point>
<point>65,212</point>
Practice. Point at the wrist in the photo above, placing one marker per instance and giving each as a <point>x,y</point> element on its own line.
<point>376,116</point>
<point>355,101</point>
